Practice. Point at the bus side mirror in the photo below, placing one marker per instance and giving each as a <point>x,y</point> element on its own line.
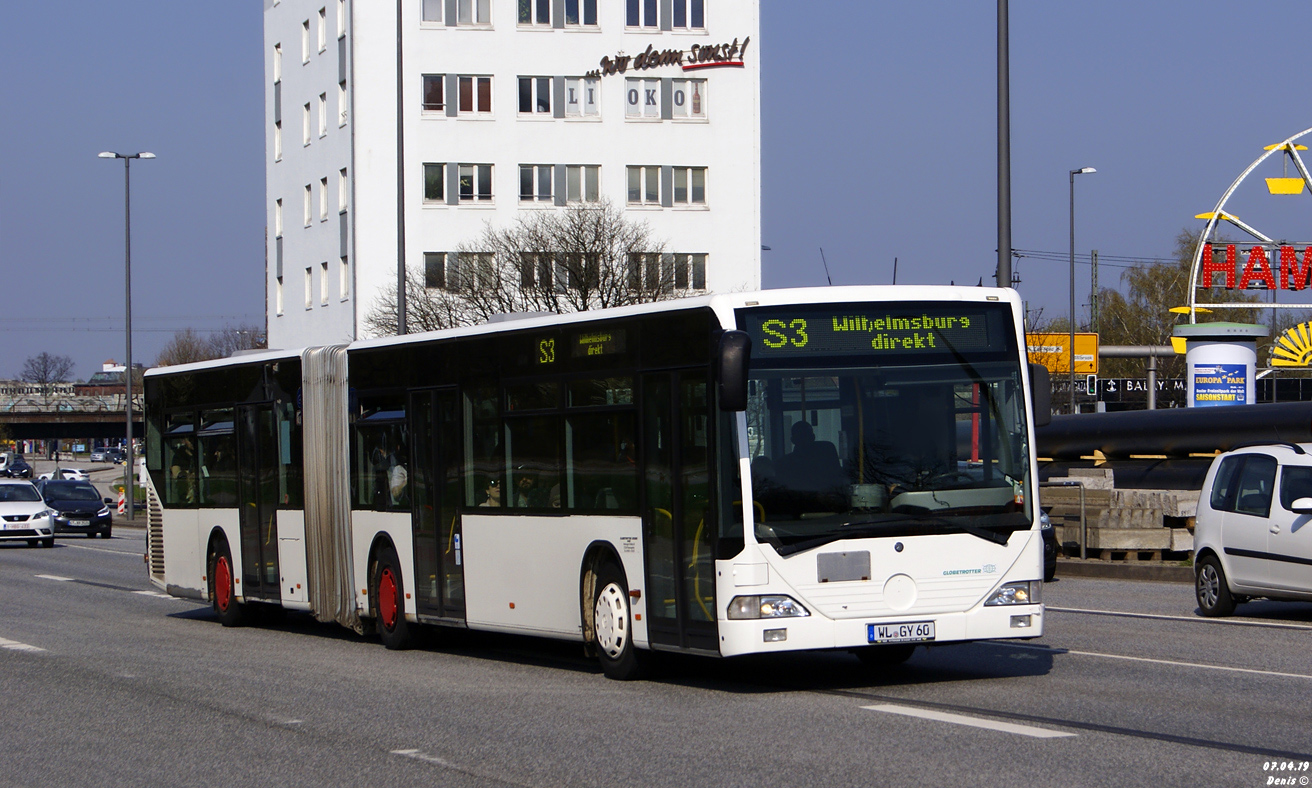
<point>1041,393</point>
<point>735,353</point>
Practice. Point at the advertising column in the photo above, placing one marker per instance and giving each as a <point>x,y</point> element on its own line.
<point>1222,362</point>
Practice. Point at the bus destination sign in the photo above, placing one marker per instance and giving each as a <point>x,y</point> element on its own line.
<point>881,329</point>
<point>599,343</point>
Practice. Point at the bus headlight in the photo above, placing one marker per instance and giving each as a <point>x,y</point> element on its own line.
<point>773,606</point>
<point>1026,592</point>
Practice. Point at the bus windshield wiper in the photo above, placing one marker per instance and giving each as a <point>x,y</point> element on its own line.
<point>986,534</point>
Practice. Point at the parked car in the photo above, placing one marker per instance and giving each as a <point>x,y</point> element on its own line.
<point>97,455</point>
<point>1050,547</point>
<point>75,474</point>
<point>1253,534</point>
<point>24,514</point>
<point>77,507</point>
<point>17,468</point>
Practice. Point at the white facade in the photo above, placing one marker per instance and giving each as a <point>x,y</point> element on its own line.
<point>332,105</point>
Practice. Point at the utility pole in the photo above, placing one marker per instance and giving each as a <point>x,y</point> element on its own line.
<point>1093,292</point>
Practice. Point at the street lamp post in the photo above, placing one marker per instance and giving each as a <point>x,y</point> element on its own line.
<point>129,489</point>
<point>1071,349</point>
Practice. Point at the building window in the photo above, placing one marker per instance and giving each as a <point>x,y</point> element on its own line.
<point>309,288</point>
<point>323,114</point>
<point>688,98</point>
<point>640,13</point>
<point>305,125</point>
<point>475,182</point>
<point>277,62</point>
<point>323,283</point>
<point>277,219</point>
<point>308,203</point>
<point>435,270</point>
<point>305,41</point>
<point>433,10</point>
<point>433,93</point>
<point>341,18</point>
<point>535,182</point>
<point>277,296</point>
<point>582,183</point>
<point>343,188</point>
<point>535,95</point>
<point>589,13</point>
<point>475,95</point>
<point>690,271</point>
<point>341,103</point>
<point>323,200</point>
<point>535,12</point>
<point>642,98</point>
<point>644,185</point>
<point>323,29</point>
<point>689,15</point>
<point>581,94</point>
<point>473,12</point>
<point>434,187</point>
<point>344,280</point>
<point>689,186</point>
<point>277,141</point>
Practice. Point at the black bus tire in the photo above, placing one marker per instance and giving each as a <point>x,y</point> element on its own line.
<point>612,620</point>
<point>387,597</point>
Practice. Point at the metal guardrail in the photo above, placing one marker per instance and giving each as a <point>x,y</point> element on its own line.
<point>1084,522</point>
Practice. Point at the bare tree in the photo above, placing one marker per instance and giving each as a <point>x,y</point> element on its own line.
<point>584,257</point>
<point>47,368</point>
<point>188,345</point>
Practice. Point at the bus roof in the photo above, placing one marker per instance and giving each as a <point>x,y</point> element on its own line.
<point>722,304</point>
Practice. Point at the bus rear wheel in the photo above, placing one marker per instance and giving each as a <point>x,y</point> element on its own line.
<point>387,594</point>
<point>222,588</point>
<point>612,620</point>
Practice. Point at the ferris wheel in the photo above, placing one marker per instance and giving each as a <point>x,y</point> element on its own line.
<point>1263,263</point>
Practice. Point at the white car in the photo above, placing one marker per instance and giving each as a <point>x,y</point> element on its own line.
<point>1253,535</point>
<point>24,515</point>
<point>68,474</point>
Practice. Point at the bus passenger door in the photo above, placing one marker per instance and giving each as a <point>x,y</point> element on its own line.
<point>435,483</point>
<point>257,449</point>
<point>679,524</point>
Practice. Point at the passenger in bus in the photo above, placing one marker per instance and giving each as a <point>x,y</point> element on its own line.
<point>526,491</point>
<point>493,493</point>
<point>183,473</point>
<point>398,478</point>
<point>812,464</point>
<point>378,466</point>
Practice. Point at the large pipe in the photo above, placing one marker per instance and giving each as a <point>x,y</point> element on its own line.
<point>1175,432</point>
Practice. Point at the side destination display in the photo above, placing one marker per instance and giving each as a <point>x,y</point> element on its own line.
<point>881,329</point>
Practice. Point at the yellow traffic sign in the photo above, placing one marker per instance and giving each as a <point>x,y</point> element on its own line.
<point>1053,352</point>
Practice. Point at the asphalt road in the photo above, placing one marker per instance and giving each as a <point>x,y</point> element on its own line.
<point>103,681</point>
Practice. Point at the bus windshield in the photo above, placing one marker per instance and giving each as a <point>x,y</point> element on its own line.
<point>847,444</point>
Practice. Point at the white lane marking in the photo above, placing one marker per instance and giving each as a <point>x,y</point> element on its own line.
<point>423,756</point>
<point>1172,662</point>
<point>56,577</point>
<point>104,550</point>
<point>1242,622</point>
<point>155,594</point>
<point>14,645</point>
<point>974,722</point>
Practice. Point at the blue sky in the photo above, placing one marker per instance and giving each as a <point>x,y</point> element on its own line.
<point>878,141</point>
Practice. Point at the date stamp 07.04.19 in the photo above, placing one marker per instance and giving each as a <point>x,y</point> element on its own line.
<point>1287,772</point>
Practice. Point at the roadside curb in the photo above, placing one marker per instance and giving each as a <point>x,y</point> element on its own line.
<point>1107,570</point>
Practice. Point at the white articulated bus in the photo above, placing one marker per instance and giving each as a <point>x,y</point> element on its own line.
<point>831,468</point>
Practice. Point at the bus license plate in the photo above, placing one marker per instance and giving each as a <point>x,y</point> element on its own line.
<point>79,523</point>
<point>909,632</point>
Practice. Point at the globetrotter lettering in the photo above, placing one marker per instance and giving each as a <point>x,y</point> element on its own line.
<point>697,57</point>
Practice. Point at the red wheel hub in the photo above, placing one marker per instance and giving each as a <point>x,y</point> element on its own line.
<point>222,583</point>
<point>387,598</point>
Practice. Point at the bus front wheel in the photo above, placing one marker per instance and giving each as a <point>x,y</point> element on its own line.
<point>612,620</point>
<point>387,593</point>
<point>222,588</point>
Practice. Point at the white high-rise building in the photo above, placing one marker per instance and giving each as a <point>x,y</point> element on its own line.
<point>466,112</point>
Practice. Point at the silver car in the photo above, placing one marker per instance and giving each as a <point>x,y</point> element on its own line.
<point>24,515</point>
